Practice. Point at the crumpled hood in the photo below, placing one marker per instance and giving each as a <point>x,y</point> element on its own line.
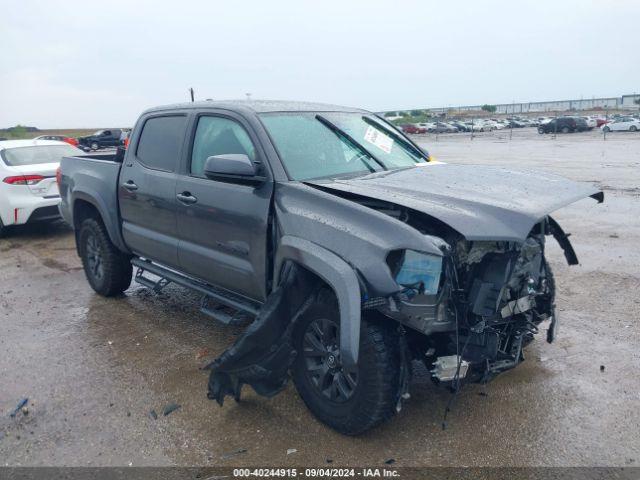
<point>480,202</point>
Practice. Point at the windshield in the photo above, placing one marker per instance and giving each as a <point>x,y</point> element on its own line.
<point>16,157</point>
<point>330,144</point>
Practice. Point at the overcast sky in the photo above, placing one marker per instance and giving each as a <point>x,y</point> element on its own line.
<point>99,64</point>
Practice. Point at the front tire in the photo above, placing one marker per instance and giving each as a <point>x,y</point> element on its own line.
<point>540,130</point>
<point>350,401</point>
<point>95,146</point>
<point>633,128</point>
<point>565,130</point>
<point>107,269</point>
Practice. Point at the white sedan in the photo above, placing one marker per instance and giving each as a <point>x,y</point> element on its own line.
<point>28,189</point>
<point>624,124</point>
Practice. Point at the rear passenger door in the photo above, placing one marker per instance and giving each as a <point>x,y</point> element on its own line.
<point>147,189</point>
<point>224,228</point>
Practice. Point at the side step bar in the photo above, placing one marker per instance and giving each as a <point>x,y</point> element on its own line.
<point>209,293</point>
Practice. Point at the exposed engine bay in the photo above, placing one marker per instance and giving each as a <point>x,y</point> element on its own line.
<point>478,305</point>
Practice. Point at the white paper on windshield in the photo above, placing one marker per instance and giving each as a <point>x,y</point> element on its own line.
<point>379,139</point>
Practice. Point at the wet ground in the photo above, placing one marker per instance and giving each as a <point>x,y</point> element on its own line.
<point>94,368</point>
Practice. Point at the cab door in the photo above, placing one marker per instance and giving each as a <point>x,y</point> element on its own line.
<point>147,189</point>
<point>224,226</point>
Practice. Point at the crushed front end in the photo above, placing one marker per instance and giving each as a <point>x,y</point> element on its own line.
<point>471,311</point>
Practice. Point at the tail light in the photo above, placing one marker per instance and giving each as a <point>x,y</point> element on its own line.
<point>59,176</point>
<point>126,142</point>
<point>23,179</point>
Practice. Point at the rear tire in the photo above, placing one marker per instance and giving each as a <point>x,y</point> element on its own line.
<point>95,146</point>
<point>565,130</point>
<point>107,269</point>
<point>540,130</point>
<point>633,128</point>
<point>369,395</point>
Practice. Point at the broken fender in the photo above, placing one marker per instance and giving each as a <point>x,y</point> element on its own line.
<point>261,357</point>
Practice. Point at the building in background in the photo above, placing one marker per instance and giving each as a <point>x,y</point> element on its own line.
<point>604,103</point>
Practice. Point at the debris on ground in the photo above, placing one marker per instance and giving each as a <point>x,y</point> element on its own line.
<point>291,450</point>
<point>25,410</point>
<point>329,460</point>
<point>602,368</point>
<point>22,403</point>
<point>202,353</point>
<point>172,407</point>
<point>233,454</point>
<point>153,414</point>
<point>390,461</point>
<point>614,235</point>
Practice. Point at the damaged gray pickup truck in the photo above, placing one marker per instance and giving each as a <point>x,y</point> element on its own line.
<point>346,249</point>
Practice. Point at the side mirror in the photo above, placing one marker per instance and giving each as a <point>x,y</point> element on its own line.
<point>232,167</point>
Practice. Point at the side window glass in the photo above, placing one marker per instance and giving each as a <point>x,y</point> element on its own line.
<point>160,141</point>
<point>218,136</point>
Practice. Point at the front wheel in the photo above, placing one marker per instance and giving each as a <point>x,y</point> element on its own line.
<point>540,130</point>
<point>350,401</point>
<point>107,269</point>
<point>95,146</point>
<point>565,130</point>
<point>633,128</point>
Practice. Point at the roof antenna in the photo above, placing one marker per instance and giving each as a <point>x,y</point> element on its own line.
<point>248,96</point>
<point>191,92</point>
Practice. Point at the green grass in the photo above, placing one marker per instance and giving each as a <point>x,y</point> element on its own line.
<point>68,132</point>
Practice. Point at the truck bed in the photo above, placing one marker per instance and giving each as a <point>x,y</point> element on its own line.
<point>93,178</point>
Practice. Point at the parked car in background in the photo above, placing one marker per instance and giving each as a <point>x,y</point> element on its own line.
<point>413,129</point>
<point>563,125</point>
<point>28,190</point>
<point>515,124</point>
<point>442,127</point>
<point>622,124</point>
<point>59,138</point>
<point>101,139</point>
<point>462,127</point>
<point>591,122</point>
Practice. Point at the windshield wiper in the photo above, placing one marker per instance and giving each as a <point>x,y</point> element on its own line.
<point>341,133</point>
<point>394,133</point>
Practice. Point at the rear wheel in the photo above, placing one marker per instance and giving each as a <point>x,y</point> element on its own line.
<point>565,130</point>
<point>95,146</point>
<point>633,128</point>
<point>349,400</point>
<point>107,269</point>
<point>540,130</point>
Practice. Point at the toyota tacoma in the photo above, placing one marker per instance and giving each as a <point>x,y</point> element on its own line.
<point>348,252</point>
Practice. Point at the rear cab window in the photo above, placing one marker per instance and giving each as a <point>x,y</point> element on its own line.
<point>160,142</point>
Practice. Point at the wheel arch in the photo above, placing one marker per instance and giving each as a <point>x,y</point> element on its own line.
<point>85,206</point>
<point>339,276</point>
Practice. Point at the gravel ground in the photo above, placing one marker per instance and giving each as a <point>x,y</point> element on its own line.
<point>94,368</point>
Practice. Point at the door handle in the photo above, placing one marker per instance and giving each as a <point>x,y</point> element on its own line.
<point>129,185</point>
<point>186,198</point>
